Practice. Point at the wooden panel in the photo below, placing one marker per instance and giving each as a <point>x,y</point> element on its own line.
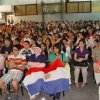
<point>52,8</point>
<point>31,9</point>
<point>84,7</point>
<point>39,8</point>
<point>72,7</point>
<point>19,10</point>
<point>96,6</point>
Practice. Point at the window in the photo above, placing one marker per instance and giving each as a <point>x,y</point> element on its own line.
<point>78,7</point>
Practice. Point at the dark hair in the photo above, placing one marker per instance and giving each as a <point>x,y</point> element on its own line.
<point>97,41</point>
<point>49,34</point>
<point>27,42</point>
<point>82,40</point>
<point>8,38</point>
<point>45,50</point>
<point>58,46</point>
<point>17,46</point>
<point>49,41</point>
<point>64,39</point>
<point>0,41</point>
<point>64,48</point>
<point>43,44</point>
<point>39,36</point>
<point>17,39</point>
<point>33,39</point>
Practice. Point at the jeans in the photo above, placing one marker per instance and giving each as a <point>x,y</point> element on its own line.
<point>57,96</point>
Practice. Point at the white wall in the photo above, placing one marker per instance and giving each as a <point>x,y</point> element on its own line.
<point>54,17</point>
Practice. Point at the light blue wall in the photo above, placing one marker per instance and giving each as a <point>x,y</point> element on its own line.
<point>17,2</point>
<point>56,17</point>
<point>6,2</point>
<point>82,16</point>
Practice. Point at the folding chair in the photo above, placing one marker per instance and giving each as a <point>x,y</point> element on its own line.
<point>20,83</point>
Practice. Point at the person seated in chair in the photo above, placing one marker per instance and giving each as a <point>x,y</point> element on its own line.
<point>2,59</point>
<point>16,64</point>
<point>27,50</point>
<point>81,55</point>
<point>36,60</point>
<point>50,79</point>
<point>6,49</point>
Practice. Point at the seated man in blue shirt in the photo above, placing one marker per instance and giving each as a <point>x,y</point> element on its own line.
<point>37,59</point>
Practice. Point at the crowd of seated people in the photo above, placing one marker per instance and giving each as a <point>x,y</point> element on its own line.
<point>80,42</point>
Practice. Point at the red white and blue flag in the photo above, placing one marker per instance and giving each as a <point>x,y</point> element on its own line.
<point>57,82</point>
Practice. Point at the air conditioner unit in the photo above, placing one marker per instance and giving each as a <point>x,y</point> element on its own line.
<point>6,8</point>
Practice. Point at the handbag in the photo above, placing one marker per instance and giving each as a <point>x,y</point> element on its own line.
<point>84,63</point>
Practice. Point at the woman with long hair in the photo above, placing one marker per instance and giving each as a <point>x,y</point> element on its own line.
<point>81,62</point>
<point>57,48</point>
<point>44,49</point>
<point>48,45</point>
